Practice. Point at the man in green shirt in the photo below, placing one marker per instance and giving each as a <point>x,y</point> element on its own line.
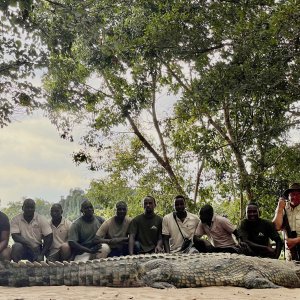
<point>82,234</point>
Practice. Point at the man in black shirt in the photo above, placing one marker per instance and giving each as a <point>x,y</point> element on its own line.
<point>257,232</point>
<point>145,230</point>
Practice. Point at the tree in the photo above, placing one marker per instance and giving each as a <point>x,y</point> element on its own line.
<point>243,102</point>
<point>72,203</point>
<point>21,56</point>
<point>234,67</point>
<point>13,209</point>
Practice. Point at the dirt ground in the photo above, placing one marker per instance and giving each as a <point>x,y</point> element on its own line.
<point>92,293</point>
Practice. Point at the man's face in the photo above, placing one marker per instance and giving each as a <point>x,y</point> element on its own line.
<point>87,209</point>
<point>179,205</point>
<point>252,213</point>
<point>121,211</point>
<point>56,212</point>
<point>206,217</point>
<point>28,208</point>
<point>149,205</point>
<point>294,197</point>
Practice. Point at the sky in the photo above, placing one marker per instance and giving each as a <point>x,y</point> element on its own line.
<point>37,163</point>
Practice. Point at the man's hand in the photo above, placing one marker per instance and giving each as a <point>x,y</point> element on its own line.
<point>271,251</point>
<point>37,256</point>
<point>95,248</point>
<point>292,242</point>
<point>158,249</point>
<point>281,204</point>
<point>40,258</point>
<point>244,248</point>
<point>117,241</point>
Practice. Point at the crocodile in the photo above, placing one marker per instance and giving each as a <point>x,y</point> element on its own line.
<point>156,270</point>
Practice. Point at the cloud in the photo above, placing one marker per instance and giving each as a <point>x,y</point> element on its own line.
<point>35,161</point>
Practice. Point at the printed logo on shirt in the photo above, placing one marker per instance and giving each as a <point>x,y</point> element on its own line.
<point>154,227</point>
<point>260,234</point>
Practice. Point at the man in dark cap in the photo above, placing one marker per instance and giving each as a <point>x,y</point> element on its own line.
<point>287,218</point>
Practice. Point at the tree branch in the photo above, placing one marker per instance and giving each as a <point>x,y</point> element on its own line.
<point>155,121</point>
<point>18,63</point>
<point>198,179</point>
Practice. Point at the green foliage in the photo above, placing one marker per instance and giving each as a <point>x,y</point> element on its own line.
<point>21,55</point>
<point>13,209</point>
<point>43,207</point>
<point>71,204</point>
<point>232,68</point>
<point>230,209</point>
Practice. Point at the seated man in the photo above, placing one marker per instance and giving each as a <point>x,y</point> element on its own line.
<point>60,249</point>
<point>31,233</point>
<point>5,251</point>
<point>82,234</point>
<point>113,233</point>
<point>145,230</point>
<point>257,232</point>
<point>178,225</point>
<point>219,231</point>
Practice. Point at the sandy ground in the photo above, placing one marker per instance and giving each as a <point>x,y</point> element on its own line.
<point>91,293</point>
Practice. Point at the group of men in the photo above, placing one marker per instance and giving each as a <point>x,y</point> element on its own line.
<point>90,236</point>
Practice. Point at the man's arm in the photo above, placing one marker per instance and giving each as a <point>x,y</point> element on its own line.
<point>4,238</point>
<point>47,242</point>
<point>131,243</point>
<point>76,246</point>
<point>279,245</point>
<point>236,234</point>
<point>274,236</point>
<point>166,233</point>
<point>257,248</point>
<point>159,246</point>
<point>279,212</point>
<point>166,242</point>
<point>111,242</point>
<point>5,226</point>
<point>101,233</point>
<point>20,239</point>
<point>292,242</point>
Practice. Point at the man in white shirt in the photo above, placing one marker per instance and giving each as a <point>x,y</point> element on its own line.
<point>178,225</point>
<point>60,249</point>
<point>31,233</point>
